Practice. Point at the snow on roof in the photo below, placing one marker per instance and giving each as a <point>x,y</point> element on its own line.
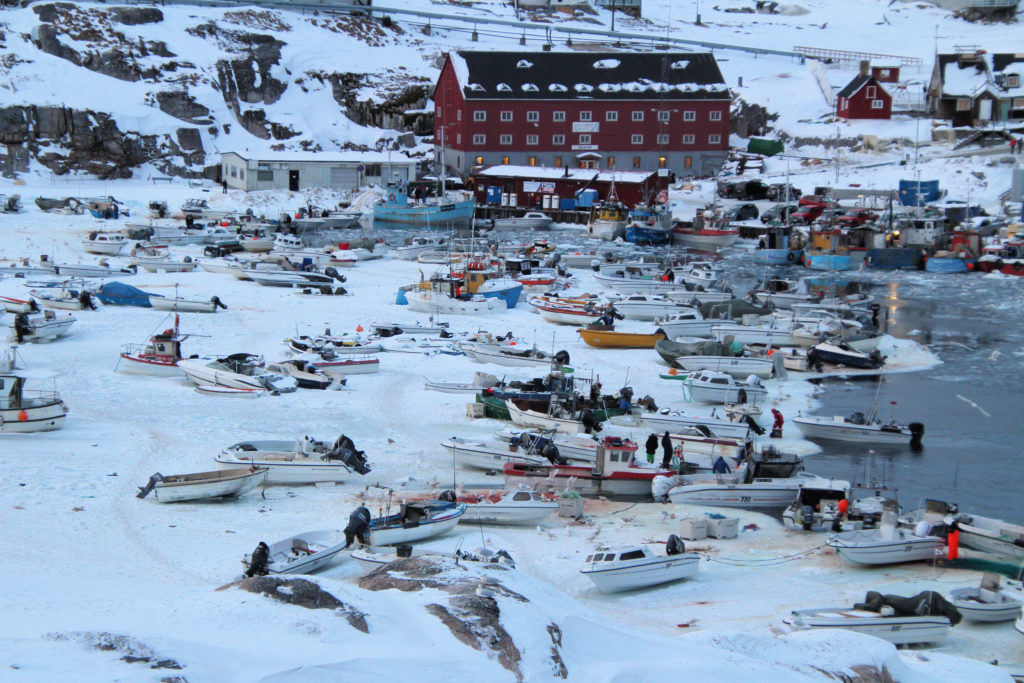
<point>578,174</point>
<point>966,80</point>
<point>523,64</point>
<point>325,157</point>
<point>606,64</point>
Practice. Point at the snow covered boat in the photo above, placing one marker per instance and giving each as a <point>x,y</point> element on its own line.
<point>923,618</point>
<point>237,371</point>
<point>104,243</point>
<point>649,307</point>
<point>303,553</point>
<point>531,220</point>
<point>486,455</point>
<point>508,507</point>
<point>885,545</point>
<point>415,521</point>
<point>858,428</point>
<point>988,602</point>
<point>101,270</point>
<point>442,212</point>
<point>625,568</point>
<point>603,337</point>
<point>307,374</point>
<point>392,329</point>
<point>22,411</point>
<point>186,305</point>
<point>708,386</point>
<point>40,327</point>
<point>370,558</point>
<point>303,461</point>
<point>13,305</point>
<point>119,294</point>
<point>229,483</point>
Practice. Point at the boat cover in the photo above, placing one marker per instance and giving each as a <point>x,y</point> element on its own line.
<point>120,294</point>
<point>924,603</point>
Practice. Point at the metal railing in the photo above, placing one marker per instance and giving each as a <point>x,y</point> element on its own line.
<point>833,56</point>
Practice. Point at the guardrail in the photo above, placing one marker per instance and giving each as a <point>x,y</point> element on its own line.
<point>829,55</point>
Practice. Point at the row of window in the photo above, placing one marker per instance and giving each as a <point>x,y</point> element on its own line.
<point>557,162</point>
<point>611,115</point>
<point>585,139</point>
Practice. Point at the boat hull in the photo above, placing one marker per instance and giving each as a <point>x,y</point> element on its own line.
<point>283,471</point>
<point>608,339</point>
<point>156,367</point>
<point>737,367</point>
<point>644,574</point>
<point>896,630</point>
<point>868,548</point>
<point>742,496</point>
<point>216,484</point>
<point>478,455</point>
<point>621,486</point>
<point>837,429</point>
<point>182,305</point>
<point>394,535</point>
<point>449,215</point>
<point>47,417</point>
<point>510,513</point>
<point>967,601</point>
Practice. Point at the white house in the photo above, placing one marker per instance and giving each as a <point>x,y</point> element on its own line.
<point>302,170</point>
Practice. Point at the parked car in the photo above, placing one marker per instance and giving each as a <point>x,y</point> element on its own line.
<point>779,213</point>
<point>741,212</point>
<point>743,189</point>
<point>813,200</point>
<point>777,192</point>
<point>854,217</point>
<point>806,214</point>
<point>829,216</point>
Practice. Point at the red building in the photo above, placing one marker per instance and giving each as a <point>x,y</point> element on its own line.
<point>625,111</point>
<point>864,98</point>
<point>530,185</point>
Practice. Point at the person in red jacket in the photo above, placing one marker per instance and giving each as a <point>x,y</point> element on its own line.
<point>777,427</point>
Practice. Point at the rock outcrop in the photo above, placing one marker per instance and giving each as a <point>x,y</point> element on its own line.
<point>303,593</point>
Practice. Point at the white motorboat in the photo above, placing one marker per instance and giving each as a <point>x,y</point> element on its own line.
<point>650,307</point>
<point>887,544</point>
<point>104,243</point>
<point>237,371</point>
<point>40,327</point>
<point>13,305</point>
<point>167,265</point>
<point>698,274</point>
<point>303,461</point>
<point>338,346</point>
<point>988,602</point>
<point>341,365</point>
<point>531,220</point>
<point>22,411</point>
<point>625,568</point>
<point>858,428</point>
<point>395,328</point>
<point>570,446</point>
<point>488,455</point>
<point>742,366</point>
<point>159,357</point>
<point>562,314</point>
<point>303,553</point>
<point>675,420</point>
<point>689,323</point>
<point>178,488</point>
<point>438,303</point>
<point>257,244</point>
<point>415,521</point>
<point>508,507</point>
<point>992,536</point>
<point>886,623</point>
<point>752,334</point>
<point>306,373</point>
<point>481,381</point>
<point>512,356</point>
<point>64,299</point>
<point>525,417</point>
<point>708,386</point>
<point>102,269</point>
<point>179,305</point>
<point>414,246</point>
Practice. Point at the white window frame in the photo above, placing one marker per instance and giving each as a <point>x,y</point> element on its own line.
<point>458,114</point>
<point>479,139</point>
<point>533,116</point>
<point>871,92</point>
<point>611,115</point>
<point>663,116</point>
<point>638,116</point>
<point>532,139</point>
<point>716,115</point>
<point>506,116</point>
<point>584,138</point>
<point>662,138</point>
<point>689,139</point>
<point>637,139</point>
<point>714,139</point>
<point>558,116</point>
<point>479,114</point>
<point>878,104</point>
<point>689,116</point>
<point>558,139</point>
<point>505,139</point>
<point>585,116</point>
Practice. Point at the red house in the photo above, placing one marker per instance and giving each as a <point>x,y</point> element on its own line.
<point>531,184</point>
<point>623,111</point>
<point>864,98</point>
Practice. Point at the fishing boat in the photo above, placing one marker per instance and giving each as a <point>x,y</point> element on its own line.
<point>676,420</point>
<point>708,386</point>
<point>308,375</point>
<point>923,618</point>
<point>179,305</point>
<point>177,488</point>
<point>531,220</point>
<point>443,212</point>
<point>237,371</point>
<point>887,544</point>
<point>603,337</point>
<point>488,455</point>
<point>858,428</point>
<point>988,602</point>
<point>301,461</point>
<point>508,507</point>
<point>415,521</point>
<point>303,553</point>
<point>633,567</point>
<point>24,411</point>
<point>608,219</point>
<point>104,243</point>
<point>40,327</point>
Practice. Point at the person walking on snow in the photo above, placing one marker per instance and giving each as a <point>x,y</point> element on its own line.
<point>652,447</point>
<point>666,446</point>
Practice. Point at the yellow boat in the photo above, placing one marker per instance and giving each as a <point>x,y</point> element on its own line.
<point>604,338</point>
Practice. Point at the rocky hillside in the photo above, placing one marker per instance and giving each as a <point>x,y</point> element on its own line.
<point>107,89</point>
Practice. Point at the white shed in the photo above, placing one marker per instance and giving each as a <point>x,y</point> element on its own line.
<point>297,171</point>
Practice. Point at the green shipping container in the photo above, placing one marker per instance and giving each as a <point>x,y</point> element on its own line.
<point>765,146</point>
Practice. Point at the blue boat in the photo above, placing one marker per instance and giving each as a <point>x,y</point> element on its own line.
<point>433,213</point>
<point>774,249</point>
<point>894,259</point>
<point>828,261</point>
<point>649,225</point>
<point>119,294</point>
<point>948,264</point>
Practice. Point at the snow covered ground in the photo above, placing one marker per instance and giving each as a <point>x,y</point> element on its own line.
<point>87,557</point>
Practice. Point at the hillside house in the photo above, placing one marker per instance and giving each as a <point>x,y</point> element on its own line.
<point>972,88</point>
<point>624,111</point>
<point>298,171</point>
<point>864,97</point>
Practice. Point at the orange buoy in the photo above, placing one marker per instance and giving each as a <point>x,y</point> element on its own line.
<point>22,416</point>
<point>843,506</point>
<point>359,328</point>
<point>953,543</point>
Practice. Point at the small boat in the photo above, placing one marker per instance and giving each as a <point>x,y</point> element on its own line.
<point>104,243</point>
<point>303,553</point>
<point>569,446</point>
<point>229,392</point>
<point>119,294</point>
<point>22,411</point>
<point>531,220</point>
<point>65,206</point>
<point>887,544</point>
<point>40,327</point>
<point>708,386</point>
<point>341,365</point>
<point>603,337</point>
<point>237,371</point>
<point>513,356</point>
<point>565,314</point>
<point>858,428</point>
<point>558,419</point>
<point>308,375</point>
<point>625,568</point>
<point>705,239</point>
<point>166,265</point>
<point>837,352</point>
<point>257,244</point>
<point>414,246</point>
<point>158,357</point>
<point>177,488</point>
<point>754,334</point>
<point>303,461</point>
<point>486,455</point>
<point>987,602</point>
<point>415,521</point>
<point>649,307</point>
<point>675,420</point>
<point>923,618</point>
<point>819,509</point>
<point>481,381</point>
<point>370,558</point>
<point>993,536</point>
<point>441,212</point>
<point>179,305</point>
<point>439,303</point>
<point>737,366</point>
<point>64,299</point>
<point>396,328</point>
<point>101,270</point>
<point>686,324</point>
<point>336,345</point>
<point>508,507</point>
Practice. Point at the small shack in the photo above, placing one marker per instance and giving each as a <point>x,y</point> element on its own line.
<point>864,97</point>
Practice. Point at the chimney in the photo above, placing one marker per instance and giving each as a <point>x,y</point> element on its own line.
<point>865,67</point>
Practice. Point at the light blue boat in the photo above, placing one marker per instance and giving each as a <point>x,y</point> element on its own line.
<point>828,261</point>
<point>947,264</point>
<point>505,289</point>
<point>894,258</point>
<point>433,213</point>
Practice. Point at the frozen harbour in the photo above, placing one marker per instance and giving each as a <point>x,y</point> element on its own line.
<point>88,558</point>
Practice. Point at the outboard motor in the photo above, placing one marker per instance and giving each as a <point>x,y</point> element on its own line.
<point>807,517</point>
<point>331,271</point>
<point>752,423</point>
<point>258,560</point>
<point>85,298</point>
<point>448,496</point>
<point>550,451</point>
<point>916,434</point>
<point>217,303</point>
<point>674,546</point>
<point>358,526</point>
<point>590,423</point>
<point>562,357</point>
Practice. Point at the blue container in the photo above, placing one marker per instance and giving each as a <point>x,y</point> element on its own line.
<point>493,195</point>
<point>586,198</point>
<point>909,190</point>
<point>567,204</point>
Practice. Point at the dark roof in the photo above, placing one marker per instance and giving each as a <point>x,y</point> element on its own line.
<point>855,85</point>
<point>589,75</point>
<point>1004,59</point>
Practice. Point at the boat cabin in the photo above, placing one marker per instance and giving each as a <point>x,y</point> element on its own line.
<point>609,211</point>
<point>614,454</point>
<point>771,464</point>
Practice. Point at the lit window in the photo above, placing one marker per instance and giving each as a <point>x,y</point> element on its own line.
<point>585,138</point>
<point>557,139</point>
<point>479,161</point>
<point>636,162</point>
<point>611,162</point>
<point>637,139</point>
<point>714,139</point>
<point>716,116</point>
<point>638,116</point>
<point>532,161</point>
<point>611,116</point>
<point>504,161</point>
<point>689,116</point>
<point>558,116</point>
<point>533,116</point>
<point>688,162</point>
<point>479,115</point>
<point>661,162</point>
<point>506,116</point>
<point>531,139</point>
<point>1012,81</point>
<point>584,116</point>
<point>479,139</point>
<point>871,91</point>
<point>963,104</point>
<point>558,162</point>
<point>689,139</point>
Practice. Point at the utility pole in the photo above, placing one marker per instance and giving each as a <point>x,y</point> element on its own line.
<point>613,16</point>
